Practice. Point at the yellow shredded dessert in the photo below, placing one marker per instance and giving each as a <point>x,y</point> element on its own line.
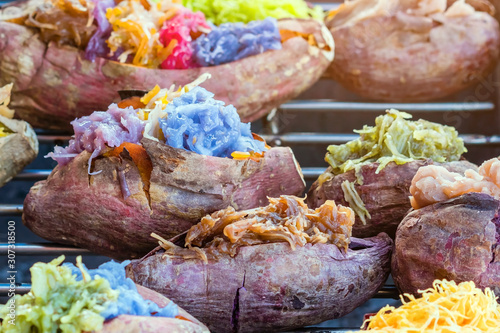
<point>444,308</point>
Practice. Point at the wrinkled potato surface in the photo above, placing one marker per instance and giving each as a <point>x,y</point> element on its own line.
<point>455,240</point>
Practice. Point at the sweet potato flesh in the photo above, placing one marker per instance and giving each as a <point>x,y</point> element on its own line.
<point>311,40</point>
<point>285,219</point>
<point>134,101</point>
<point>140,157</point>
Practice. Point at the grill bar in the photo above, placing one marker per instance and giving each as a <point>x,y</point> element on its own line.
<point>326,138</point>
<point>42,249</point>
<point>329,105</point>
<point>33,174</point>
<point>20,289</point>
<point>11,210</point>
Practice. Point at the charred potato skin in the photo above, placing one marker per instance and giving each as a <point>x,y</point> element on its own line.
<point>270,286</point>
<point>55,84</point>
<point>377,66</point>
<point>74,208</point>
<point>454,240</point>
<point>385,194</point>
<point>17,149</point>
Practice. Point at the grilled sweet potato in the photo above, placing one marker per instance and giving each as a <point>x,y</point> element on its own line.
<point>270,286</point>
<point>455,240</point>
<point>74,208</point>
<point>418,50</point>
<point>385,195</point>
<point>54,84</point>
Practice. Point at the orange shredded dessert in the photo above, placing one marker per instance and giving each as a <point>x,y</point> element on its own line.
<point>447,307</point>
<point>285,219</point>
<point>433,184</point>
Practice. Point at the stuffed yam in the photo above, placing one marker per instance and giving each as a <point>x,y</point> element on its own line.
<point>18,142</point>
<point>418,50</point>
<point>156,167</point>
<point>373,173</point>
<point>278,267</point>
<point>453,233</point>
<point>71,298</point>
<point>76,66</point>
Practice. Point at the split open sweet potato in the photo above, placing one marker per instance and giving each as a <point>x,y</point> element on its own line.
<point>373,174</point>
<point>17,149</point>
<point>74,208</point>
<point>18,142</point>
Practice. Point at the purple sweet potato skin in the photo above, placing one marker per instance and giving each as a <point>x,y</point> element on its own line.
<point>74,208</point>
<point>270,286</point>
<point>385,194</point>
<point>55,84</point>
<point>454,240</point>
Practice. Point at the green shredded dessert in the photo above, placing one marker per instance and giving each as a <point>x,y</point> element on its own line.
<point>394,138</point>
<point>58,302</point>
<point>223,11</point>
